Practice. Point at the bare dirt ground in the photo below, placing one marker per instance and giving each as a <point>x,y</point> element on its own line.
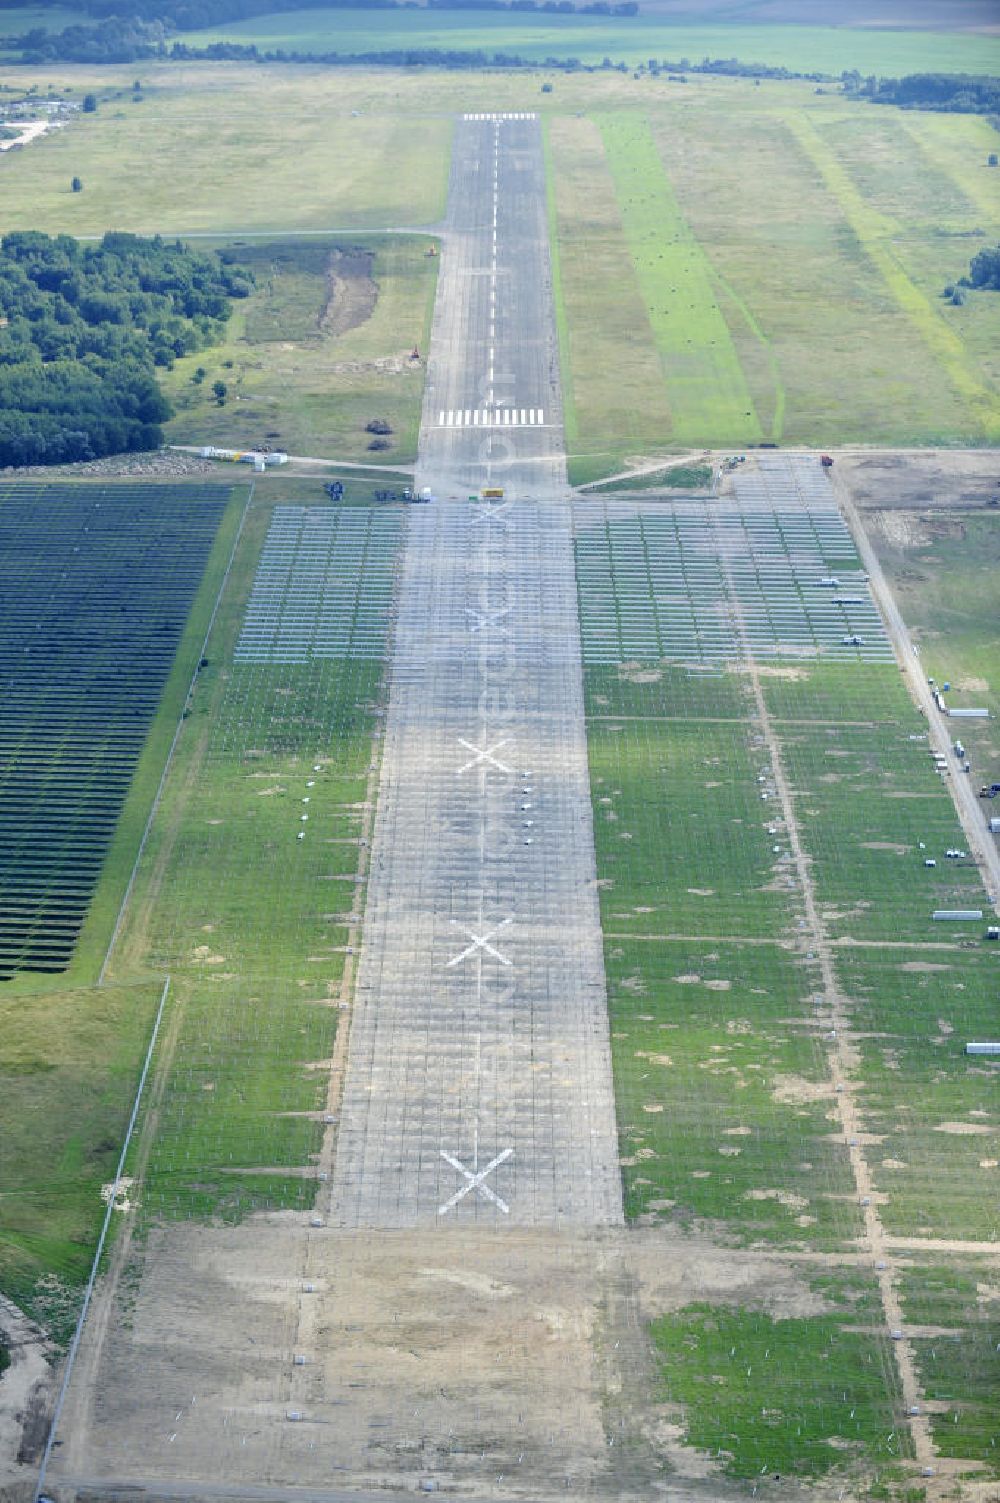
<point>161,464</point>
<point>511,1365</point>
<point>26,1390</point>
<point>351,291</point>
<point>911,480</point>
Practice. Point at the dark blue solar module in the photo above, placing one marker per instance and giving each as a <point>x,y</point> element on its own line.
<point>96,583</point>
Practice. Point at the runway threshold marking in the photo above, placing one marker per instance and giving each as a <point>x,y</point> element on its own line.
<point>501,417</point>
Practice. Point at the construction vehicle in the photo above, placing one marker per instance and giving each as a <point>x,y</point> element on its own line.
<point>415,353</point>
<point>826,460</point>
<point>433,252</point>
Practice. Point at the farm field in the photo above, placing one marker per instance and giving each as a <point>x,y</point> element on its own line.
<point>592,38</point>
<point>318,351</point>
<point>758,1023</point>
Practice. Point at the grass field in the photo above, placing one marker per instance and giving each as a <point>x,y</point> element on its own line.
<point>800,246</point>
<point>724,1077</point>
<point>592,38</point>
<point>944,570</point>
<point>69,1066</point>
<point>821,1377</point>
<point>70,1053</point>
<point>296,376</point>
<point>258,966</point>
<point>199,153</point>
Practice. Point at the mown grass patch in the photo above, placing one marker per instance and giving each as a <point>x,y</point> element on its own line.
<point>931,1107</point>
<point>792,1397</point>
<point>69,1067</point>
<point>723,1094</point>
<point>945,574</point>
<point>865,799</point>
<point>697,477</point>
<point>957,1365</point>
<point>614,397</point>
<point>681,843</point>
<point>652,691</point>
<point>251,921</point>
<point>707,393</point>
<point>846,693</point>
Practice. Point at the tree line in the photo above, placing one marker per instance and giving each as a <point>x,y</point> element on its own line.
<point>82,331</point>
<point>953,93</point>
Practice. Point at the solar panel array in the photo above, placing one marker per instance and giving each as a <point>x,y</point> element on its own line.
<point>96,583</point>
<point>324,585</point>
<point>703,581</point>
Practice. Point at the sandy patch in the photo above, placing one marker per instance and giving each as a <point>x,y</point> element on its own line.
<point>783,1197</point>
<point>795,675</point>
<point>654,1059</point>
<point>885,845</point>
<point>793,1090</point>
<point>202,955</point>
<point>964,1129</point>
<point>118,1191</point>
<point>719,986</point>
<point>702,892</point>
<point>690,978</point>
<point>915,967</point>
<point>630,675</point>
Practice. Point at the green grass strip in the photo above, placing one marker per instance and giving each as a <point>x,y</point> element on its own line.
<point>706,388</point>
<point>778,1398</point>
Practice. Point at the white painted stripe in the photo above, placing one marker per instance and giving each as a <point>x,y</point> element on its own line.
<point>450,416</point>
<point>467,419</point>
<point>541,415</point>
<point>441,419</point>
<point>475,417</point>
<point>524,418</point>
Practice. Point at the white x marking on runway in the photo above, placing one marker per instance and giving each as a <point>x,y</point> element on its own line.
<point>475,1179</point>
<point>487,513</point>
<point>483,754</point>
<point>486,618</point>
<point>480,942</point>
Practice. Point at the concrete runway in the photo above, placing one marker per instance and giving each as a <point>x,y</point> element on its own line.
<point>478,1085</point>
